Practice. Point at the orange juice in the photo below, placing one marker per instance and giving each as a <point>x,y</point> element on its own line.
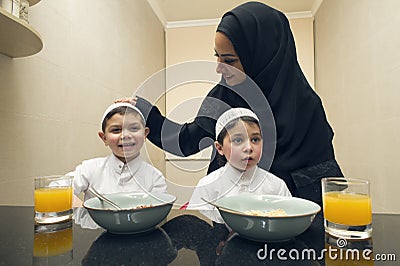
<point>53,199</point>
<point>52,243</point>
<point>347,208</point>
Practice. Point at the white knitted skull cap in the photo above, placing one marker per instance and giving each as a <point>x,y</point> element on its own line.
<point>116,105</point>
<point>231,115</point>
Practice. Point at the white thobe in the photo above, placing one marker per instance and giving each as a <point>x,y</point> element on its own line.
<point>228,181</point>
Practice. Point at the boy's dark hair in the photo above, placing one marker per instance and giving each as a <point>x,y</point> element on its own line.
<point>220,138</point>
<point>122,110</point>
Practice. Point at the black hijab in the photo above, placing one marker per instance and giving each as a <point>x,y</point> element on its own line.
<point>264,43</point>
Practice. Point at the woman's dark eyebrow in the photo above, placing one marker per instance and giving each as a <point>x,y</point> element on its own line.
<point>224,54</point>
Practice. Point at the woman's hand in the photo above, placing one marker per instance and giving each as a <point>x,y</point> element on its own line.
<point>133,100</point>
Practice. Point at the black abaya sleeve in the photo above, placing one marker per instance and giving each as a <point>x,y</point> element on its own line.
<point>179,139</point>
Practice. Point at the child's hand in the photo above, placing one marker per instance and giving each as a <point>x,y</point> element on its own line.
<point>76,202</point>
<point>127,100</point>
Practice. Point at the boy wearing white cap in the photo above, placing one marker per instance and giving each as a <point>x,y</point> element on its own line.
<point>239,140</point>
<point>123,130</point>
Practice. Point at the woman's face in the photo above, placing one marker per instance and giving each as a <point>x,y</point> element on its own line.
<point>229,65</point>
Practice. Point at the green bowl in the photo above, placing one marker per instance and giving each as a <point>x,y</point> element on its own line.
<point>133,218</point>
<point>300,214</point>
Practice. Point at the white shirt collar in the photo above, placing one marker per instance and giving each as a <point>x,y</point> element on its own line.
<point>252,178</point>
<point>130,168</point>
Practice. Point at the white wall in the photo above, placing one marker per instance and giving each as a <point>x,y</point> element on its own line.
<point>357,76</point>
<point>51,103</point>
<point>96,51</point>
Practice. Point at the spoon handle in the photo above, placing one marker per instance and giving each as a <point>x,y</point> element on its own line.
<point>217,206</point>
<point>103,198</point>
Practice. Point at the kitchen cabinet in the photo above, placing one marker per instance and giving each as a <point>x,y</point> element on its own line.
<point>18,38</point>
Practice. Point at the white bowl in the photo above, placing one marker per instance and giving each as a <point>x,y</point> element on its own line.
<point>299,215</point>
<point>140,212</point>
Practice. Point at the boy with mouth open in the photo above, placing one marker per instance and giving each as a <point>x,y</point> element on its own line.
<point>123,130</point>
<point>239,141</point>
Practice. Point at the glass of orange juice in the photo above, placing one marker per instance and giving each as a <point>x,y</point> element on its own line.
<point>347,207</point>
<point>53,199</point>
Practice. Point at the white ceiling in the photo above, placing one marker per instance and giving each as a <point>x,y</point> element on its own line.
<point>186,10</point>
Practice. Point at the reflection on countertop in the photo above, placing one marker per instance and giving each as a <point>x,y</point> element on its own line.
<point>183,239</point>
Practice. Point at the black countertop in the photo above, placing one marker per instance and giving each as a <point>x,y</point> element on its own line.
<point>186,239</point>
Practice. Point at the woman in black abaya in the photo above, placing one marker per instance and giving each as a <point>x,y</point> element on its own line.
<point>257,39</point>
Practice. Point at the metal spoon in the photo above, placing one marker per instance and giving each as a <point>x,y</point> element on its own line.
<point>219,207</point>
<point>103,198</point>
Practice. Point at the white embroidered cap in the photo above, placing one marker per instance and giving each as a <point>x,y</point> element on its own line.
<point>231,115</point>
<point>116,105</point>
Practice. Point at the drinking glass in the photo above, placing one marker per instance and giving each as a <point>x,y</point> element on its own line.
<point>53,199</point>
<point>347,207</point>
